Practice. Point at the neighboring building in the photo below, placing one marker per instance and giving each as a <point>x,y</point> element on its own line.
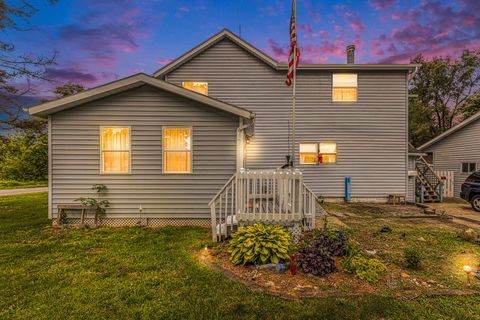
<point>456,150</point>
<point>168,143</point>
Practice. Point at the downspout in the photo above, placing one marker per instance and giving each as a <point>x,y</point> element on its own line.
<point>241,141</point>
<point>407,133</point>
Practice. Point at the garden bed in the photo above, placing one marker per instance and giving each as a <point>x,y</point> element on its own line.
<point>440,273</point>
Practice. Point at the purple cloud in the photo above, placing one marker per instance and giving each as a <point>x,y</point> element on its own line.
<point>70,75</point>
<point>381,4</point>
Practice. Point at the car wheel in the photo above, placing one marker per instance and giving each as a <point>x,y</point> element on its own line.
<point>476,202</point>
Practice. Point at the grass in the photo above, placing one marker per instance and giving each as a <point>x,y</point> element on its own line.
<point>140,273</point>
<point>12,184</point>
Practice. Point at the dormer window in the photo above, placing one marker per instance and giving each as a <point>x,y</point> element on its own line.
<point>344,87</point>
<point>200,87</point>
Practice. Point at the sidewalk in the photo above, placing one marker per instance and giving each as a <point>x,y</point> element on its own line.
<point>7,192</point>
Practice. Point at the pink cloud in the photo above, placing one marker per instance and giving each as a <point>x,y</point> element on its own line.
<point>164,61</point>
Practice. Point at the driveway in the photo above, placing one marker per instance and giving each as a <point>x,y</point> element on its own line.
<point>461,211</point>
<point>7,192</point>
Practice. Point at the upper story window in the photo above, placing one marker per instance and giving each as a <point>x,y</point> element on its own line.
<point>115,150</point>
<point>177,150</point>
<point>344,87</point>
<point>200,87</point>
<point>469,167</point>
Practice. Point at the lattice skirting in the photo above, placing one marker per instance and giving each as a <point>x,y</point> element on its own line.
<point>151,222</point>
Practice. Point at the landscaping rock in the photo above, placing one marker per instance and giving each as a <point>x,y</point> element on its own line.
<point>386,229</point>
<point>469,235</point>
<point>404,275</point>
<point>421,239</point>
<point>432,282</point>
<point>371,252</point>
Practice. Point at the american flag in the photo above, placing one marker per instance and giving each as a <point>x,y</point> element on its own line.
<point>293,47</point>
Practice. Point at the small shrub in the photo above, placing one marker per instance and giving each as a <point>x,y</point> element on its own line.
<point>364,268</point>
<point>412,258</point>
<point>316,261</point>
<point>259,244</point>
<point>332,241</point>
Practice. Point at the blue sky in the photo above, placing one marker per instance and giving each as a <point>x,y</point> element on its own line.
<point>97,41</point>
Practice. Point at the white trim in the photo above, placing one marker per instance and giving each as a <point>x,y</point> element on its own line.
<point>50,167</point>
<point>44,109</point>
<point>129,151</point>
<point>191,149</point>
<point>450,131</point>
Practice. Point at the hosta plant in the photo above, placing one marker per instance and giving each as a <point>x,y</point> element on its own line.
<point>259,244</point>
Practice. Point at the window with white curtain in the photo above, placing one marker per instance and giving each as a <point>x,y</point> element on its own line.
<point>308,153</point>
<point>115,150</point>
<point>344,87</point>
<point>328,152</point>
<point>177,150</point>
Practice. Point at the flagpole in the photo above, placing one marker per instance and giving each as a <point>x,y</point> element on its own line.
<point>294,86</point>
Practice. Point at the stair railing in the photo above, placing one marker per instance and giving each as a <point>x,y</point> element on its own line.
<point>427,180</point>
<point>262,196</point>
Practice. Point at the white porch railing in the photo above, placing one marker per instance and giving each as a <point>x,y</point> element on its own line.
<point>273,197</point>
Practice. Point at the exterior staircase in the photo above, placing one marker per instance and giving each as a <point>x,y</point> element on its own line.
<point>264,196</point>
<point>428,185</point>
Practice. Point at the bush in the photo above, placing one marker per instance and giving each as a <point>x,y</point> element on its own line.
<point>364,268</point>
<point>259,244</point>
<point>412,258</point>
<point>333,242</point>
<point>24,157</point>
<point>316,261</point>
<point>318,249</point>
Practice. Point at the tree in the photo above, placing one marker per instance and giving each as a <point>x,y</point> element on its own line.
<point>68,89</point>
<point>14,67</point>
<point>443,89</point>
<point>472,105</point>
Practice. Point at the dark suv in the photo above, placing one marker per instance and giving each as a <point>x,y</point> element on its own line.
<point>471,190</point>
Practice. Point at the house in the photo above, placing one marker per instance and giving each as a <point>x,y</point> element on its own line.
<point>456,152</point>
<point>166,145</point>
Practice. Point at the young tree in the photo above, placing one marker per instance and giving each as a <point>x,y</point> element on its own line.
<point>443,87</point>
<point>15,67</point>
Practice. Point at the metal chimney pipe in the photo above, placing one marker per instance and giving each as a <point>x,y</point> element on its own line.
<point>351,54</point>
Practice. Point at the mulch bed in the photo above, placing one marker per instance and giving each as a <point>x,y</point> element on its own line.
<point>302,285</point>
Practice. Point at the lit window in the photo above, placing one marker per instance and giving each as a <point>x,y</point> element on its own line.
<point>115,146</point>
<point>177,152</point>
<point>308,153</point>
<point>328,152</point>
<point>468,167</point>
<point>344,87</point>
<point>200,87</point>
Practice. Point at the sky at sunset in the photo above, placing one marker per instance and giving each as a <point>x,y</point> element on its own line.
<point>97,41</point>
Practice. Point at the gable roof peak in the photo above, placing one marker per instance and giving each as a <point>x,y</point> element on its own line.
<point>450,131</point>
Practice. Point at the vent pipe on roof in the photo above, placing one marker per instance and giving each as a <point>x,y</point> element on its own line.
<point>351,54</point>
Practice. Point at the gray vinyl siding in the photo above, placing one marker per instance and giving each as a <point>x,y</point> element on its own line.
<point>370,134</point>
<point>76,154</point>
<point>461,146</point>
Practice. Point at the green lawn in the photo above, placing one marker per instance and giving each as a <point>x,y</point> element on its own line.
<point>12,184</point>
<point>137,273</point>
